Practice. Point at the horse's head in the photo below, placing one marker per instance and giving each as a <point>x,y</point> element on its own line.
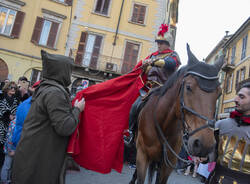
<point>199,91</point>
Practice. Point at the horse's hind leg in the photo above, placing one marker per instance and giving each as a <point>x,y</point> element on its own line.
<point>134,177</point>
<point>141,166</point>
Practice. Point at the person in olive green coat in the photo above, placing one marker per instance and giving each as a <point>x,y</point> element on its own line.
<point>51,120</point>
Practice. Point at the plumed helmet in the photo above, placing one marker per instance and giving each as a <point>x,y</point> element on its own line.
<point>164,34</point>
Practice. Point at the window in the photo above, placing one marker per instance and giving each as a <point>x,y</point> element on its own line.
<point>35,76</point>
<point>242,72</point>
<point>130,57</point>
<point>240,76</point>
<point>233,55</point>
<point>138,15</point>
<point>88,50</point>
<point>102,6</point>
<point>237,79</point>
<point>229,109</point>
<point>244,47</point>
<point>7,20</point>
<point>10,22</point>
<point>229,83</point>
<point>45,32</point>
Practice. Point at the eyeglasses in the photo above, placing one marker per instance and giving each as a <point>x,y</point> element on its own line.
<point>12,87</point>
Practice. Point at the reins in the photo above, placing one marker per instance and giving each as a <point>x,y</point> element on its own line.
<point>186,134</point>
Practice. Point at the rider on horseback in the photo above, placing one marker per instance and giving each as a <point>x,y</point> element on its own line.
<point>158,66</point>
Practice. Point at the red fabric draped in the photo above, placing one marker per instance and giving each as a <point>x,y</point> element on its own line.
<point>97,144</point>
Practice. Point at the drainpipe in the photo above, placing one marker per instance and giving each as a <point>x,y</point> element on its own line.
<point>118,24</point>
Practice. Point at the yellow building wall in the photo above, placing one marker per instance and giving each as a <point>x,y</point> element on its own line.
<point>23,44</point>
<point>110,22</point>
<point>238,65</point>
<point>20,65</point>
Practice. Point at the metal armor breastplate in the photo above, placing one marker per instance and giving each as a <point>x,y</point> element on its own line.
<point>234,147</point>
<point>156,74</point>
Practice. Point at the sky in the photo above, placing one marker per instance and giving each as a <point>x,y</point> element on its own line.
<point>202,24</point>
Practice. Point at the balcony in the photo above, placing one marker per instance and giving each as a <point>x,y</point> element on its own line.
<point>101,63</point>
<point>228,67</point>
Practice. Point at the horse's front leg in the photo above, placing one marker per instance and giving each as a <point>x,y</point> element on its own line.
<point>141,165</point>
<point>163,173</point>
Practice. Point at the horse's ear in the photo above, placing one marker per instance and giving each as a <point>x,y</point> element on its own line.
<point>191,58</point>
<point>219,62</point>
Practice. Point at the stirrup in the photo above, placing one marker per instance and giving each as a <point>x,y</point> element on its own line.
<point>128,139</point>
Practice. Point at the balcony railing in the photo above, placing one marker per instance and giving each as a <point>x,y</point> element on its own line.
<point>228,67</point>
<point>102,63</point>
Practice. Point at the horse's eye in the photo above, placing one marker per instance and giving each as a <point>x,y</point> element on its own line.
<point>188,88</point>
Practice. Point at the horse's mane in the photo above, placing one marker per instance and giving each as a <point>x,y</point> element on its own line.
<point>170,82</point>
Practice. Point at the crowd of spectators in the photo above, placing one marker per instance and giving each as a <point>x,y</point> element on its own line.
<point>12,94</point>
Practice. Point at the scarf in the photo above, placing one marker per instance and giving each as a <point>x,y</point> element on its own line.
<point>241,119</point>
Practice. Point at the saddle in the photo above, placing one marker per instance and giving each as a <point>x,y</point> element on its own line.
<point>138,106</point>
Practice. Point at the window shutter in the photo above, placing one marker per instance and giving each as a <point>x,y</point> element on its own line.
<point>18,24</point>
<point>105,7</point>
<point>135,13</point>
<point>37,30</point>
<point>81,48</point>
<point>68,2</point>
<point>141,14</point>
<point>125,65</point>
<point>52,34</point>
<point>130,57</point>
<point>96,51</point>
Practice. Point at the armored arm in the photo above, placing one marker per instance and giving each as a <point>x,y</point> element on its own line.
<point>169,62</point>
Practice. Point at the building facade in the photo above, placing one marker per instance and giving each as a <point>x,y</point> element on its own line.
<point>211,58</point>
<point>236,67</point>
<point>26,27</point>
<point>107,37</point>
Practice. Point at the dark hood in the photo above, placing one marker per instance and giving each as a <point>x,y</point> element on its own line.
<point>57,67</point>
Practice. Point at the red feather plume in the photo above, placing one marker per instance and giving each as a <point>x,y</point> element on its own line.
<point>163,30</point>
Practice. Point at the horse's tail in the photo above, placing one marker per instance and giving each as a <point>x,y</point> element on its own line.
<point>151,170</point>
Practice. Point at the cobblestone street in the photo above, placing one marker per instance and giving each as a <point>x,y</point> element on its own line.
<point>90,177</point>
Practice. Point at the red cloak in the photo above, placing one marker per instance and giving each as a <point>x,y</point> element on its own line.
<point>97,143</point>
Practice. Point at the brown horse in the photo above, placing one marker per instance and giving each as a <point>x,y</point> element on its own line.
<point>186,102</point>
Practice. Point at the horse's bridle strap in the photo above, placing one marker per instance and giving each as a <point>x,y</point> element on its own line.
<point>202,76</point>
<point>194,112</point>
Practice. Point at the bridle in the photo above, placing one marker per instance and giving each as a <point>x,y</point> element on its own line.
<point>210,122</point>
<point>186,134</point>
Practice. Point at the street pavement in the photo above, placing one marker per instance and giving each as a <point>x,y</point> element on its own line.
<point>89,177</point>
